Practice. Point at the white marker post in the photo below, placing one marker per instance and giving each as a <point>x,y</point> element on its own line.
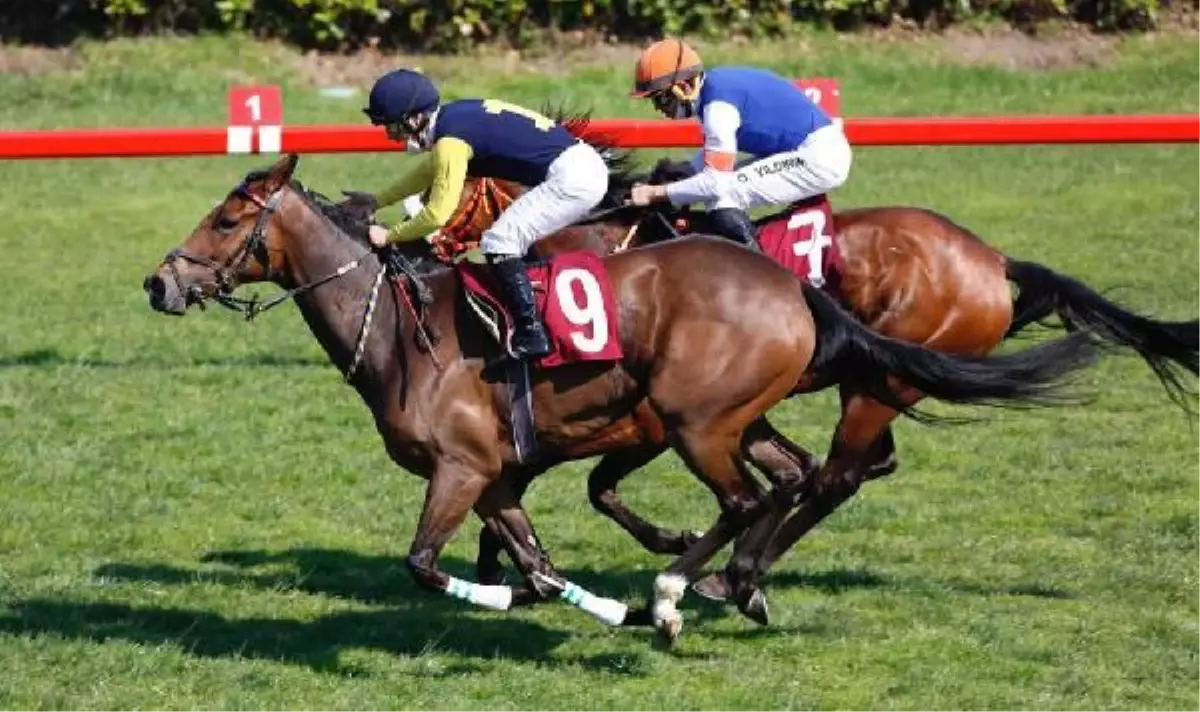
<point>255,119</point>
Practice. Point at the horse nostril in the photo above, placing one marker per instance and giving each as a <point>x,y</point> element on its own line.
<point>155,285</point>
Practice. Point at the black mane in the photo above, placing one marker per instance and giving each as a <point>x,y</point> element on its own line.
<point>354,221</point>
<point>621,162</point>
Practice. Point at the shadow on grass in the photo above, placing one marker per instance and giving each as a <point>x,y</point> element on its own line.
<point>837,581</point>
<point>384,580</point>
<point>415,622</point>
<point>53,357</point>
<point>424,627</point>
<point>343,574</point>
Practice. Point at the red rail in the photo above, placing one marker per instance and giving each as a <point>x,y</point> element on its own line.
<point>112,143</point>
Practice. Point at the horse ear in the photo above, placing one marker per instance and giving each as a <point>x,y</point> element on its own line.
<point>281,173</point>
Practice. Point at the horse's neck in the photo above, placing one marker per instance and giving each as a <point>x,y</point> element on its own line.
<point>334,310</point>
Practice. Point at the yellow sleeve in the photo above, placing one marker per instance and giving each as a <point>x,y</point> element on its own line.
<point>415,180</point>
<point>449,172</point>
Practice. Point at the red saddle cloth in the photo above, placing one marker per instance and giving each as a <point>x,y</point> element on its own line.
<point>574,300</point>
<point>803,240</point>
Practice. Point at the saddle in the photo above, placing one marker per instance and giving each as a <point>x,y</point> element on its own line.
<point>576,303</point>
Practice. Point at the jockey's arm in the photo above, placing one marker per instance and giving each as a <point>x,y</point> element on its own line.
<point>717,159</point>
<point>444,171</point>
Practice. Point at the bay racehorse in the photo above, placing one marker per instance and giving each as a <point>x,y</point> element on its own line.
<point>907,272</point>
<point>706,357</point>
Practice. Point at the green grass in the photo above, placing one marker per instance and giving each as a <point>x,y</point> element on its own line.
<point>196,513</point>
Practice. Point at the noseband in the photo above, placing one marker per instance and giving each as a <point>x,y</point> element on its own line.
<point>256,244</point>
<point>224,274</point>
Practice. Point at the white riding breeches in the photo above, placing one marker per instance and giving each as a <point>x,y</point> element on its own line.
<point>575,183</point>
<point>819,165</point>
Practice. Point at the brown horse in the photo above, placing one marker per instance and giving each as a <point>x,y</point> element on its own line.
<point>908,273</point>
<point>708,357</point>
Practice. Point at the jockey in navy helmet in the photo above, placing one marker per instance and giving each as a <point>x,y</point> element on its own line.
<point>795,150</point>
<point>487,138</point>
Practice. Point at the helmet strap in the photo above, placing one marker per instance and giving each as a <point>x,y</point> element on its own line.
<point>686,95</point>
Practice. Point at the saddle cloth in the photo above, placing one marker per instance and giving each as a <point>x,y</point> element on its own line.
<point>574,300</point>
<point>803,239</point>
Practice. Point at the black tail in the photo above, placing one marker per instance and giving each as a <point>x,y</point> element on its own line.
<point>863,360</point>
<point>1168,347</point>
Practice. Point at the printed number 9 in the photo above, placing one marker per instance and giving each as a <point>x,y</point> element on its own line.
<point>814,94</point>
<point>495,106</point>
<point>590,312</point>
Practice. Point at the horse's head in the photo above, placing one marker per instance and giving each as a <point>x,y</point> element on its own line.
<point>234,244</point>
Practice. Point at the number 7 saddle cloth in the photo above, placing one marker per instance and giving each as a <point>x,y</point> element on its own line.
<point>803,239</point>
<point>574,299</point>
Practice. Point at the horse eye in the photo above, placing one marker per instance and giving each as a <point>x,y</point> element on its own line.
<point>225,225</point>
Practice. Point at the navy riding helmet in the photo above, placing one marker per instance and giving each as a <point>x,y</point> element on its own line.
<point>398,94</point>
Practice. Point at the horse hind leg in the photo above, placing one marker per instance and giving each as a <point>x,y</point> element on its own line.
<point>881,459</point>
<point>713,458</point>
<point>862,434</point>
<point>860,429</point>
<point>790,469</point>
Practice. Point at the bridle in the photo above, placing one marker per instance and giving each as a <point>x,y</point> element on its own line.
<point>256,244</point>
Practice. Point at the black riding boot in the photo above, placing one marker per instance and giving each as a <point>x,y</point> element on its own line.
<point>529,334</point>
<point>735,224</point>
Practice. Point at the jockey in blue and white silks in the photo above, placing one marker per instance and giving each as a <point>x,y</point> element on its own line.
<point>795,150</point>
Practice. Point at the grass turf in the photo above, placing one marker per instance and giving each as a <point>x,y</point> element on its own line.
<point>198,514</point>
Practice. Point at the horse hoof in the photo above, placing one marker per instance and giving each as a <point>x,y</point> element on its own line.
<point>669,628</point>
<point>755,608</point>
<point>714,587</point>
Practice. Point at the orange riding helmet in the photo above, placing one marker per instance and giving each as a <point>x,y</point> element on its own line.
<point>665,64</point>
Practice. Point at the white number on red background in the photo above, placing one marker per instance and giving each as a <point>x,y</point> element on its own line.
<point>254,104</point>
<point>814,247</point>
<point>589,313</point>
<point>814,95</point>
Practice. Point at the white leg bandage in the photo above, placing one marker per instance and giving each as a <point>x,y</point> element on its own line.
<point>606,610</point>
<point>497,598</point>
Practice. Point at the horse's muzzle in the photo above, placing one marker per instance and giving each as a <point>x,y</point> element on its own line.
<point>164,295</point>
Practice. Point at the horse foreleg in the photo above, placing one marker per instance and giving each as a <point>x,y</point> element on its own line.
<point>488,568</point>
<point>452,490</point>
<point>501,509</point>
<point>602,492</point>
<point>786,465</point>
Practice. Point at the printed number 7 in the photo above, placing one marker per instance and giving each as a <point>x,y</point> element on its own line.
<point>495,106</point>
<point>814,247</point>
